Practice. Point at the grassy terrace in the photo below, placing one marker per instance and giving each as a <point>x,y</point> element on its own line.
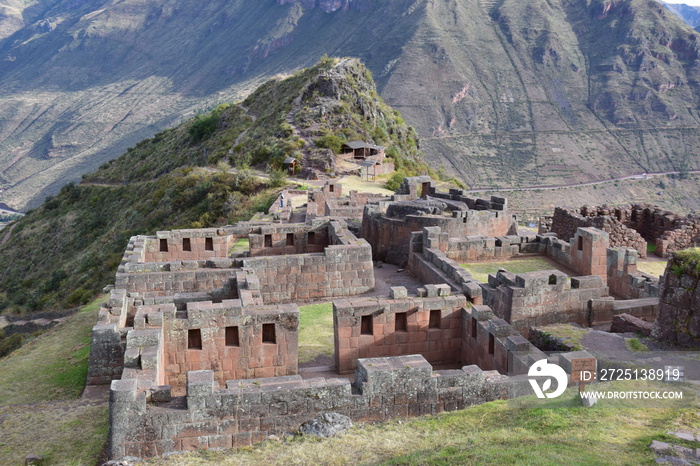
<point>40,408</point>
<point>481,270</point>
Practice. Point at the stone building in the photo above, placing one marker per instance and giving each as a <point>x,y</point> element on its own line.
<point>199,338</point>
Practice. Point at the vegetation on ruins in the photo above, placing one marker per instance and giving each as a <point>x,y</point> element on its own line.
<point>62,253</point>
<point>686,261</point>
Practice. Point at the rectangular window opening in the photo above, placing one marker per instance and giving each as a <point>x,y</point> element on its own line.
<point>290,239</point>
<point>435,318</point>
<point>331,188</point>
<point>208,244</point>
<point>401,322</point>
<point>492,343</point>
<point>473,327</point>
<point>268,241</point>
<point>366,325</point>
<point>232,336</point>
<point>311,238</point>
<point>580,243</point>
<point>163,245</point>
<point>186,244</point>
<point>194,338</point>
<point>268,333</point>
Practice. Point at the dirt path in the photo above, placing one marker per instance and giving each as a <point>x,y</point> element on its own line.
<point>243,133</point>
<point>7,235</point>
<point>640,176</point>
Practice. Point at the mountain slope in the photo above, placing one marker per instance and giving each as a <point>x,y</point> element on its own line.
<point>504,93</point>
<point>536,93</point>
<point>688,13</point>
<point>60,254</point>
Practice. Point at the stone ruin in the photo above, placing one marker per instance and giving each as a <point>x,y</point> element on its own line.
<point>631,226</point>
<point>540,298</point>
<point>388,225</point>
<point>199,338</point>
<point>678,319</point>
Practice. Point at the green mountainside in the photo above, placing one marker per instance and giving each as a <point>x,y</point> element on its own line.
<point>62,253</point>
<point>502,92</point>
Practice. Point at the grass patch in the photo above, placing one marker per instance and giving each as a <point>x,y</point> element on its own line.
<point>633,344</point>
<point>480,271</point>
<point>65,432</point>
<point>39,387</point>
<point>655,268</point>
<point>651,248</point>
<point>54,365</point>
<point>492,433</point>
<point>568,334</point>
<point>241,245</point>
<point>315,331</point>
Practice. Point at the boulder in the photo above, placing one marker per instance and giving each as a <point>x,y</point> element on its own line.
<point>328,425</point>
<point>623,323</point>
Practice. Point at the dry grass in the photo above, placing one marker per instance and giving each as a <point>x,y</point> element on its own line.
<point>355,183</point>
<point>654,268</point>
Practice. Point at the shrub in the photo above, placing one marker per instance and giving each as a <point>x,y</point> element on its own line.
<point>11,343</point>
<point>395,180</point>
<point>203,127</point>
<point>330,141</point>
<point>278,178</point>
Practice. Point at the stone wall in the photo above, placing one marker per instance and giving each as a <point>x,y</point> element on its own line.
<point>630,225</point>
<point>106,361</point>
<point>687,235</point>
<point>565,223</point>
<point>147,420</point>
<point>284,239</point>
<point>678,320</point>
<point>624,280</point>
<point>370,328</point>
<point>341,267</point>
<point>187,245</point>
<point>345,268</point>
<point>249,411</point>
<point>388,228</point>
<point>231,340</point>
<point>541,298</point>
<point>329,202</point>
